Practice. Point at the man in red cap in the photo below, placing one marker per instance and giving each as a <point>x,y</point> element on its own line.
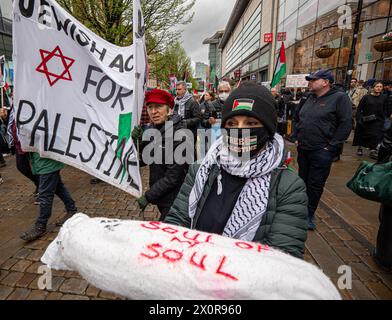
<point>166,177</point>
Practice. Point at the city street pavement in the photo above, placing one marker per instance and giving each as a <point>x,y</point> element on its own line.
<point>345,236</point>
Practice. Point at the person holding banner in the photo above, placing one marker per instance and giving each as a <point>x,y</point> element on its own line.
<point>255,199</point>
<point>165,178</point>
<point>50,184</point>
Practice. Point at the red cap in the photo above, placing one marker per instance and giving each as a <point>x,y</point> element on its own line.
<point>159,97</point>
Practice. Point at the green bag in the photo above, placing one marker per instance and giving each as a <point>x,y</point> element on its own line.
<point>373,182</point>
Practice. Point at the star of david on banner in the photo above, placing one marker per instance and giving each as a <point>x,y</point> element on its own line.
<point>65,62</point>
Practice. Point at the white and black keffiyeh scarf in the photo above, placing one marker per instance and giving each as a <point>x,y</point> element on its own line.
<point>11,121</point>
<point>253,200</point>
<point>180,102</point>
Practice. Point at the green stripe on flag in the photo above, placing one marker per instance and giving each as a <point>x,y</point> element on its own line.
<point>279,75</point>
<point>124,134</point>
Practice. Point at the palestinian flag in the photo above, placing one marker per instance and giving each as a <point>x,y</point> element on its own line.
<point>243,104</point>
<point>280,68</point>
<point>7,89</point>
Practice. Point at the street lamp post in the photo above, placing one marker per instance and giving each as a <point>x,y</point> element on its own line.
<point>350,67</point>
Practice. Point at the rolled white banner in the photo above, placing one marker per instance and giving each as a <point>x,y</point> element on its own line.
<point>156,261</point>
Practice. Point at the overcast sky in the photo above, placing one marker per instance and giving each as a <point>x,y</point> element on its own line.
<point>210,16</point>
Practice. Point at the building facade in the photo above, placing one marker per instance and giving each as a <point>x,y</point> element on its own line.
<point>312,24</point>
<point>215,58</point>
<point>245,53</point>
<point>6,37</point>
<point>201,71</point>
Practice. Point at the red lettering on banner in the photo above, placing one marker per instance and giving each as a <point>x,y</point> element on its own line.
<point>244,245</point>
<point>190,243</point>
<point>249,246</point>
<point>262,247</point>
<point>153,225</point>
<point>152,248</point>
<point>209,238</point>
<point>200,264</point>
<point>222,273</point>
<point>173,255</point>
<point>170,230</point>
<point>189,237</point>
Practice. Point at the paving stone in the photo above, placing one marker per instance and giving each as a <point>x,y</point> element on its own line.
<point>325,257</point>
<point>360,291</point>
<point>108,295</point>
<point>19,294</point>
<point>3,274</point>
<point>371,264</point>
<point>74,297</point>
<point>58,273</point>
<point>12,279</point>
<point>322,214</point>
<point>37,295</point>
<point>363,272</point>
<point>34,267</point>
<point>345,294</point>
<point>35,255</point>
<point>74,286</point>
<point>9,263</point>
<point>92,291</point>
<point>379,290</point>
<point>343,235</point>
<point>23,253</point>
<point>322,228</point>
<point>21,265</point>
<point>357,248</point>
<point>56,283</point>
<point>332,239</point>
<point>39,244</point>
<point>72,274</point>
<point>386,278</point>
<point>5,292</point>
<point>54,296</point>
<point>331,223</point>
<point>346,254</point>
<point>26,280</point>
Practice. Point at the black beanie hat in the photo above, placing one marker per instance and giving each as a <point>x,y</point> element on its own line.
<point>254,101</point>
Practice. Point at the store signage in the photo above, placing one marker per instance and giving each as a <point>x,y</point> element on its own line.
<point>282,36</point>
<point>268,37</point>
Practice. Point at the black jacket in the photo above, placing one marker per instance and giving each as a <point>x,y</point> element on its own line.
<point>213,110</point>
<point>385,153</point>
<point>324,121</point>
<point>192,116</point>
<point>165,179</point>
<point>388,106</point>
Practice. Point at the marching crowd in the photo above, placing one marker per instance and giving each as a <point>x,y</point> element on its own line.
<point>255,198</point>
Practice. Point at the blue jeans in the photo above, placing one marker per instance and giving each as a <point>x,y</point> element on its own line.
<point>50,185</point>
<point>314,169</point>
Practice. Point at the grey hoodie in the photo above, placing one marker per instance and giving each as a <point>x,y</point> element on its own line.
<point>325,121</point>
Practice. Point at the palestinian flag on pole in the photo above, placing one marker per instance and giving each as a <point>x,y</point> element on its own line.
<point>7,89</point>
<point>280,68</point>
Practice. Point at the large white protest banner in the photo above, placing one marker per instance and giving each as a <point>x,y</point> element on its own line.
<point>77,96</point>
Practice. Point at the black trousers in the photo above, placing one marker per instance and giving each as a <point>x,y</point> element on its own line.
<point>384,238</point>
<point>50,185</point>
<point>24,167</point>
<point>1,158</point>
<point>314,169</point>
